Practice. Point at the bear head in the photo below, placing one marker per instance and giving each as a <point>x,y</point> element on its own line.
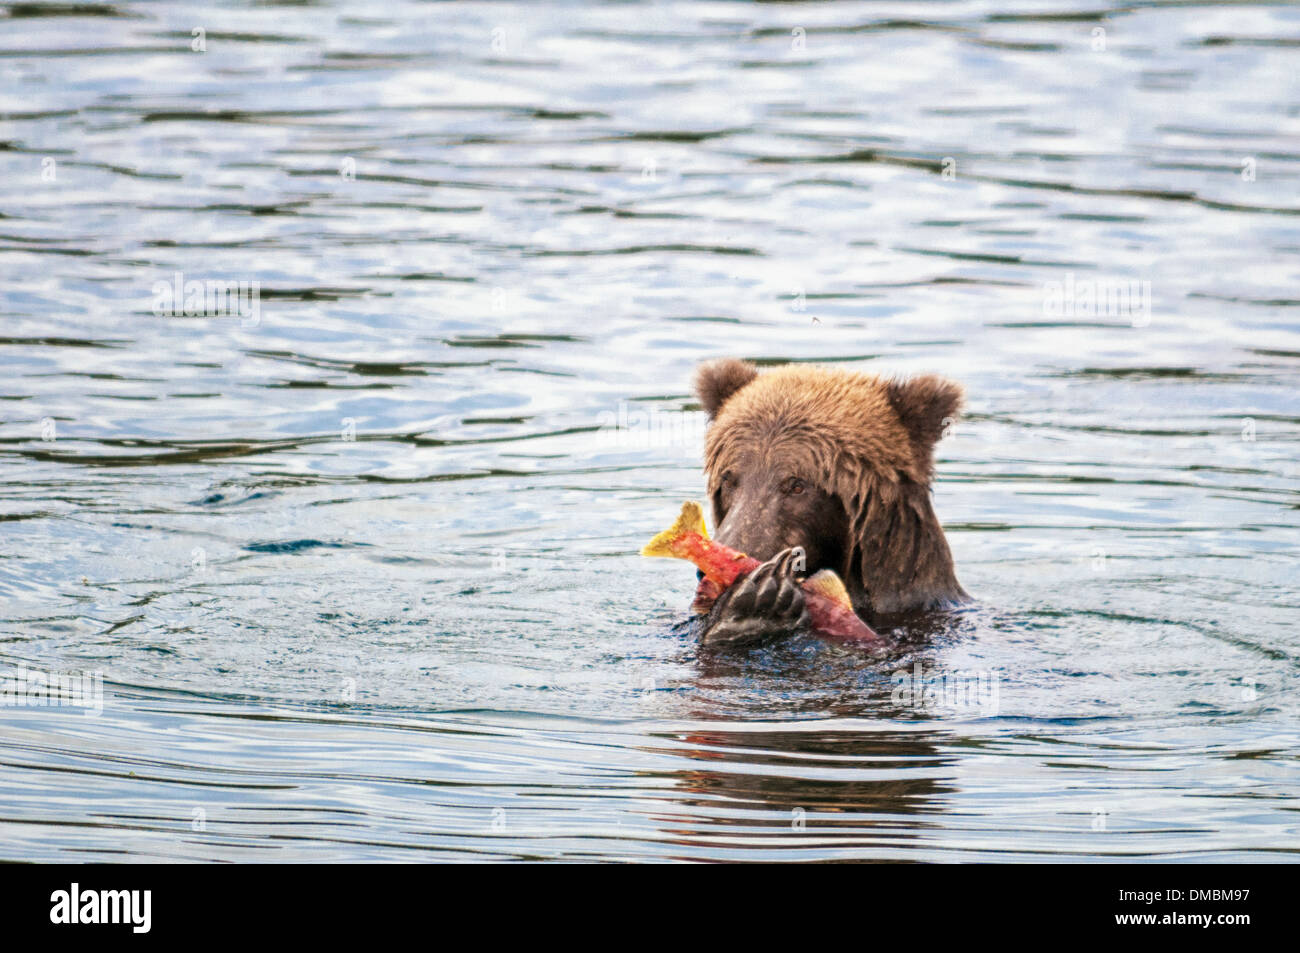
<point>838,463</point>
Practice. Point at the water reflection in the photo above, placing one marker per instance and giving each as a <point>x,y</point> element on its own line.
<point>827,788</point>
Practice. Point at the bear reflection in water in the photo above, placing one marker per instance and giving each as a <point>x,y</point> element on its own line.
<point>853,790</point>
<point>839,464</point>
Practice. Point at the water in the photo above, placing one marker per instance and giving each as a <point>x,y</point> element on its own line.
<point>359,568</point>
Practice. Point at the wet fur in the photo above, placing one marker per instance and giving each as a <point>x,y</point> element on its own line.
<point>865,447</point>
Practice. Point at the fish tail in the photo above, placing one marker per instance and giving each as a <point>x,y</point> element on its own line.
<point>690,520</point>
<point>830,586</point>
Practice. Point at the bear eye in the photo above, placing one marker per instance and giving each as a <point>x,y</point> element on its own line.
<point>794,486</point>
<point>728,478</point>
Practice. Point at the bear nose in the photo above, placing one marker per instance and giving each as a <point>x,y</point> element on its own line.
<point>757,548</point>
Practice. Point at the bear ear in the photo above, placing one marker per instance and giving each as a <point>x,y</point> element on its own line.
<point>716,381</point>
<point>926,406</point>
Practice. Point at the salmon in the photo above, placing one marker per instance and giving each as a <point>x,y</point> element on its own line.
<point>827,600</point>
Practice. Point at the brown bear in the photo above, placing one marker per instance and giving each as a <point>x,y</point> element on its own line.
<point>837,464</point>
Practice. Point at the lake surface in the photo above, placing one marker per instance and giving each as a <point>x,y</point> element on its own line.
<point>358,562</point>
